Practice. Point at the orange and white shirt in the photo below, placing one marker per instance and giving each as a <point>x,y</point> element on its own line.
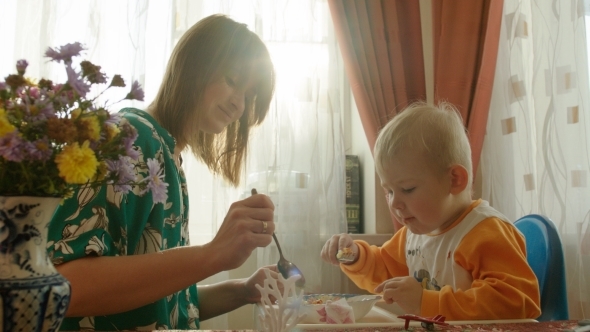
<point>475,269</point>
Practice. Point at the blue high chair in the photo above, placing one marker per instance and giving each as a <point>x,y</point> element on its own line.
<point>545,256</point>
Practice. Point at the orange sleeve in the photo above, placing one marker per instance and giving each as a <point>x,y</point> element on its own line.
<point>503,287</point>
<point>377,264</point>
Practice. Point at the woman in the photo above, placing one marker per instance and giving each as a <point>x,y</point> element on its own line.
<point>135,269</point>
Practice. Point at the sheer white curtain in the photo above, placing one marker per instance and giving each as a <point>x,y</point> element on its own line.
<point>296,156</point>
<point>536,152</point>
<point>130,38</point>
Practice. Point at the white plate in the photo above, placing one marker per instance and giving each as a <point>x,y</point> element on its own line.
<point>378,317</point>
<point>361,305</point>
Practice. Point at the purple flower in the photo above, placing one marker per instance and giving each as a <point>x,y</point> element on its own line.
<point>34,92</point>
<point>2,85</point>
<point>76,82</point>
<point>64,53</point>
<point>155,182</point>
<point>64,97</point>
<point>129,139</point>
<point>38,150</point>
<point>21,92</point>
<point>136,92</point>
<point>9,104</point>
<point>46,111</point>
<point>60,99</point>
<point>92,72</point>
<point>117,81</point>
<point>123,169</point>
<point>113,119</point>
<point>11,147</point>
<point>21,66</point>
<point>99,77</point>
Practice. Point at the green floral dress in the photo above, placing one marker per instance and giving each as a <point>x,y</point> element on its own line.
<point>102,222</point>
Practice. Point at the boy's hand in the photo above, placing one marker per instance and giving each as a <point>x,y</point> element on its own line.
<point>406,291</point>
<point>338,242</point>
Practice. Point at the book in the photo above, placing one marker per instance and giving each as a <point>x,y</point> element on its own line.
<point>353,195</point>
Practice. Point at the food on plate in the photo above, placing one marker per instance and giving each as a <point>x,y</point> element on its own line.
<point>347,308</point>
<point>320,299</point>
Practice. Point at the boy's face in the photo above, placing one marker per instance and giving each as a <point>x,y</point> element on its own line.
<point>419,196</point>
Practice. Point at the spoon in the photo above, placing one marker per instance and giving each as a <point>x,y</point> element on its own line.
<point>286,268</point>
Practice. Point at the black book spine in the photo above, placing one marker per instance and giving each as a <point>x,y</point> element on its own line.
<point>353,195</point>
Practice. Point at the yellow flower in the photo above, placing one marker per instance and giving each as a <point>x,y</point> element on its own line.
<point>75,113</point>
<point>30,81</point>
<point>41,145</point>
<point>90,127</point>
<point>112,131</point>
<point>34,110</point>
<point>5,126</point>
<point>77,164</point>
<point>101,171</point>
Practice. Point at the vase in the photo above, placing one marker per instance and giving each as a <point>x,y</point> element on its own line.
<point>33,295</point>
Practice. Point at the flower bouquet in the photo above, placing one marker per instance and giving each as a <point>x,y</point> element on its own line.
<point>53,137</point>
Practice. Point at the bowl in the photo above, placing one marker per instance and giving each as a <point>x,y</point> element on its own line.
<point>313,305</point>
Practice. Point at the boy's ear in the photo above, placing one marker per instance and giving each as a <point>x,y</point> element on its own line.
<point>459,179</point>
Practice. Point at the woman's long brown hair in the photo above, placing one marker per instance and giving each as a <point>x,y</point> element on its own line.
<point>213,47</point>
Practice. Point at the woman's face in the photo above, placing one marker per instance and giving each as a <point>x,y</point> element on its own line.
<point>224,101</point>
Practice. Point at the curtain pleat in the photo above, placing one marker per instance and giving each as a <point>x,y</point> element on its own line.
<point>381,44</point>
<point>466,35</point>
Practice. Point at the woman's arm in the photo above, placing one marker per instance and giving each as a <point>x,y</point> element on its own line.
<point>108,285</point>
<point>226,296</point>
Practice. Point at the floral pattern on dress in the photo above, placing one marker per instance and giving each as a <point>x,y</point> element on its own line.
<point>104,222</point>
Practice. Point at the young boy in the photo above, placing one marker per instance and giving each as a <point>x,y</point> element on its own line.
<point>454,256</point>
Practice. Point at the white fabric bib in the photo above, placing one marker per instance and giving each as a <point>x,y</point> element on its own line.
<point>430,259</point>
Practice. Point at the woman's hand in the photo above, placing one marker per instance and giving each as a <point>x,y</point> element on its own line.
<point>247,226</point>
<point>229,295</point>
<point>406,291</point>
<point>252,293</point>
<point>334,244</point>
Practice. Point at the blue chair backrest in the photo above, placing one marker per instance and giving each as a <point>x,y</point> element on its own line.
<point>545,256</point>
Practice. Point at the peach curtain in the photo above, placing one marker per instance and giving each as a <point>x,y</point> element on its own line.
<point>381,44</point>
<point>466,35</point>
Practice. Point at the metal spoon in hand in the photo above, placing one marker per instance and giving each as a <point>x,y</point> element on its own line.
<point>286,268</point>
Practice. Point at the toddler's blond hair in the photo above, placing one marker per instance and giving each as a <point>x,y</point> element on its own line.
<point>436,130</point>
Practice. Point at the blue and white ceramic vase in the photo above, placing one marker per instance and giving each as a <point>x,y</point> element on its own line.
<point>33,295</point>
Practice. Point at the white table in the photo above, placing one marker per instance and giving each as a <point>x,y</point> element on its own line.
<point>379,317</point>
